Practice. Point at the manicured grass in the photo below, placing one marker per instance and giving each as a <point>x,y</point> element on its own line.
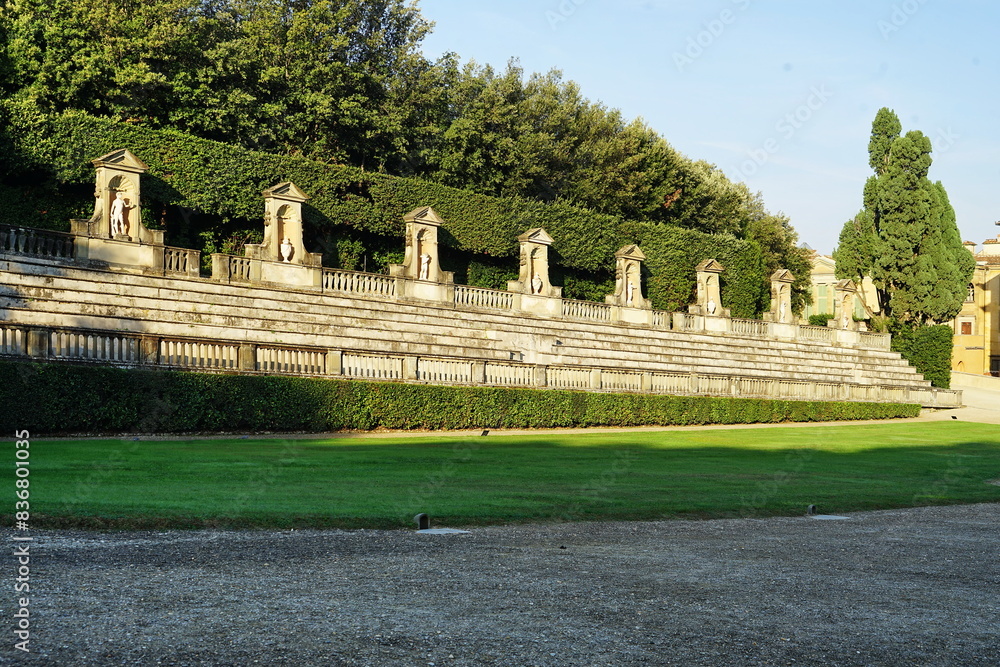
<point>543,477</point>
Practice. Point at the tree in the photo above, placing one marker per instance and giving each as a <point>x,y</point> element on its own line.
<point>905,239</point>
<point>300,76</point>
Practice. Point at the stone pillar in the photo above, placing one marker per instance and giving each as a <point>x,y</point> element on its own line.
<point>335,362</point>
<point>38,343</point>
<point>845,291</point>
<point>595,378</point>
<point>647,381</point>
<point>541,376</point>
<point>478,372</point>
<point>220,267</point>
<point>247,357</point>
<point>149,350</point>
<point>709,293</point>
<point>411,368</point>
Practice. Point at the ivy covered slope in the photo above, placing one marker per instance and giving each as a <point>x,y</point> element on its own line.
<point>217,186</point>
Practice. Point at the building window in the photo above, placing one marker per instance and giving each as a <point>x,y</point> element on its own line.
<point>971,296</point>
<point>966,328</point>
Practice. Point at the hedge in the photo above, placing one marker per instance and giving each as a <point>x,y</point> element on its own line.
<point>224,182</point>
<point>928,349</point>
<point>55,398</point>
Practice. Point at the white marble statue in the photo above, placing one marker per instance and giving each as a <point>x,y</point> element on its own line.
<point>536,284</point>
<point>425,267</point>
<point>629,293</point>
<point>781,312</point>
<point>118,208</point>
<point>711,306</point>
<point>286,250</point>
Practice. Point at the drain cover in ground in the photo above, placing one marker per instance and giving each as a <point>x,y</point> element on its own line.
<point>443,531</point>
<point>827,517</point>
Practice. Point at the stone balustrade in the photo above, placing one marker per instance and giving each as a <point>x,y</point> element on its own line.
<point>477,297</point>
<point>357,282</point>
<point>137,350</point>
<point>37,242</point>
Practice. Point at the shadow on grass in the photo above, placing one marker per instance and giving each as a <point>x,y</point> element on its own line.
<point>472,482</point>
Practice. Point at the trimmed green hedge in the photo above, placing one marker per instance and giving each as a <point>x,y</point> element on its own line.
<point>56,398</point>
<point>928,349</point>
<point>348,205</point>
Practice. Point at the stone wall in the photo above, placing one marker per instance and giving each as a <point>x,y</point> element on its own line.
<point>113,292</point>
<point>372,326</point>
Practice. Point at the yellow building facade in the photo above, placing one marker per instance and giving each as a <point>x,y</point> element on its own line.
<point>824,282</point>
<point>977,327</point>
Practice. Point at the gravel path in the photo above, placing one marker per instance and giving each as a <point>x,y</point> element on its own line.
<point>902,587</point>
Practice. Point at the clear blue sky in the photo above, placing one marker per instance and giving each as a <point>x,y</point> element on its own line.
<point>779,94</point>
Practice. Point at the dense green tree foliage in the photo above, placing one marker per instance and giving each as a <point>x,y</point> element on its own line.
<point>906,238</point>
<point>345,82</point>
<point>309,76</point>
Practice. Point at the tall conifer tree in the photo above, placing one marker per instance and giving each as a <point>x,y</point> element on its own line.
<point>905,239</point>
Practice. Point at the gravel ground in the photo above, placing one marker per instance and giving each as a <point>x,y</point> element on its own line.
<point>902,587</point>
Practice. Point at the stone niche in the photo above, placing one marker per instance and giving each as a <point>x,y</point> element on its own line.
<point>845,292</point>
<point>781,298</point>
<point>709,294</point>
<point>533,290</point>
<point>533,277</point>
<point>628,279</point>
<point>282,255</point>
<point>421,262</point>
<point>114,233</point>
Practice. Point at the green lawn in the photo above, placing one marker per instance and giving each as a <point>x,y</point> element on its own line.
<point>496,479</point>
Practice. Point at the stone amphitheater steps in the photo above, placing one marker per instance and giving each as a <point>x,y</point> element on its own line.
<point>47,293</point>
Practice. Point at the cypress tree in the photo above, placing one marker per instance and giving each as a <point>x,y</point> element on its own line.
<point>906,239</point>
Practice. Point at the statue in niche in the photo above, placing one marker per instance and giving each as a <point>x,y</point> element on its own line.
<point>425,267</point>
<point>268,227</point>
<point>781,311</point>
<point>629,293</point>
<point>286,250</point>
<point>711,306</point>
<point>536,284</point>
<point>118,208</point>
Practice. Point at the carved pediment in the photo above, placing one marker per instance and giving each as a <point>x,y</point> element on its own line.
<point>536,235</point>
<point>630,252</point>
<point>424,215</point>
<point>710,266</point>
<point>782,276</point>
<point>846,286</point>
<point>286,190</point>
<point>122,159</point>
